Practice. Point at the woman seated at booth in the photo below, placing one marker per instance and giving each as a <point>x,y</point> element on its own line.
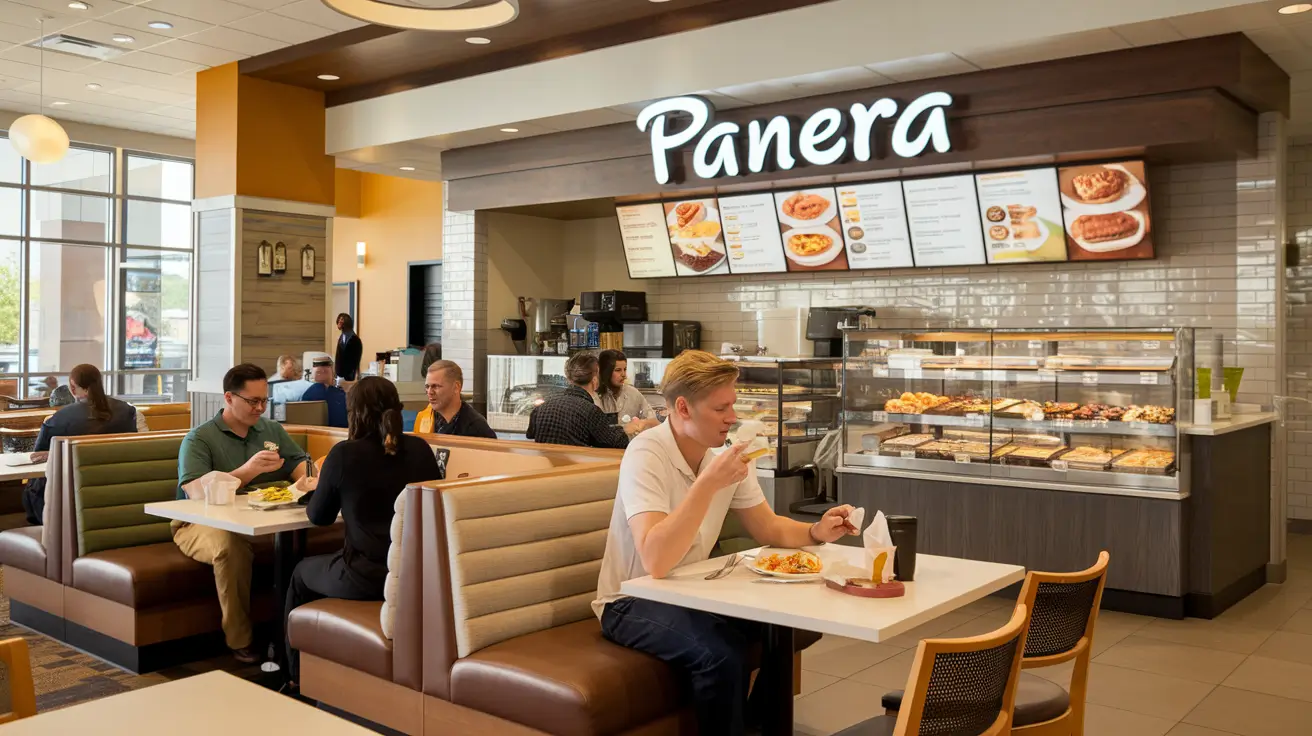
<point>618,398</point>
<point>362,477</point>
<point>572,418</point>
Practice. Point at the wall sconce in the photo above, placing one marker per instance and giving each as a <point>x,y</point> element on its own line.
<point>359,254</point>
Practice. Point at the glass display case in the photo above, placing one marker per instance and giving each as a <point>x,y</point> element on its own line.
<point>797,399</point>
<point>517,384</point>
<point>1093,408</point>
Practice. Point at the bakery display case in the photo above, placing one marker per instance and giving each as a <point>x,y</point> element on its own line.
<point>1093,410</point>
<point>797,399</point>
<point>517,384</point>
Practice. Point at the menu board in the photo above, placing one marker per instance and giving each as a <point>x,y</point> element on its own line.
<point>696,237</point>
<point>943,217</point>
<point>875,225</point>
<point>751,234</point>
<point>646,240</point>
<point>1021,215</point>
<point>1106,211</point>
<point>812,235</point>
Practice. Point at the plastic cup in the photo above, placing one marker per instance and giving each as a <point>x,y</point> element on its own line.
<point>1204,383</point>
<point>1230,378</point>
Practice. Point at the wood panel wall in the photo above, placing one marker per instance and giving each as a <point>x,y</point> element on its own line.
<point>282,313</point>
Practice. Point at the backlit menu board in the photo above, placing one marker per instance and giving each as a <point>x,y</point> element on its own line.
<point>943,218</point>
<point>1020,212</point>
<point>809,226</point>
<point>696,237</point>
<point>751,234</point>
<point>1106,211</point>
<point>874,221</point>
<point>646,240</point>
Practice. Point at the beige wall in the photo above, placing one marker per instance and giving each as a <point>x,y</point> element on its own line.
<point>594,259</point>
<point>524,258</point>
<point>401,221</point>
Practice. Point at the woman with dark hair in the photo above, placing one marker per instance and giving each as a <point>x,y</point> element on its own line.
<point>349,349</point>
<point>91,413</point>
<point>616,396</point>
<point>361,478</point>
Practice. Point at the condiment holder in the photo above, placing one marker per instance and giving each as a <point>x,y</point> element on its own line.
<point>868,588</point>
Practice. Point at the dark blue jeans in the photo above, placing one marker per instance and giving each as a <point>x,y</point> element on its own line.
<point>712,650</point>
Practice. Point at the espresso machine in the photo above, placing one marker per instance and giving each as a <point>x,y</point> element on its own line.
<point>546,319</point>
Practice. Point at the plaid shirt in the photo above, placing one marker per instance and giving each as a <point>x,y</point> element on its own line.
<point>570,418</point>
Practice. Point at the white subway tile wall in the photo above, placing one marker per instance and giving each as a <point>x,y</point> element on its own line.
<point>464,295</point>
<point>1298,342</point>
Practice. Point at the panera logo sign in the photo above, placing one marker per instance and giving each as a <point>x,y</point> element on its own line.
<point>828,136</point>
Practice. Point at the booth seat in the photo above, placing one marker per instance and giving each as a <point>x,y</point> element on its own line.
<point>161,417</point>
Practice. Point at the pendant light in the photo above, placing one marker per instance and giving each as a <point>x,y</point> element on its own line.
<point>37,138</point>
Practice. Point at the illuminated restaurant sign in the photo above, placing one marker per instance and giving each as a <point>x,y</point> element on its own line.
<point>827,137</point>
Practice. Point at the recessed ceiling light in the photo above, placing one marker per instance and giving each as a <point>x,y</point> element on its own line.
<point>123,38</point>
<point>329,77</point>
<point>58,103</point>
<point>1295,8</point>
<point>407,168</point>
<point>510,130</point>
<point>162,25</point>
<point>478,40</point>
<point>93,85</point>
<point>79,6</point>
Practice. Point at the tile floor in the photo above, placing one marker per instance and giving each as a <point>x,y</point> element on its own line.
<point>1248,672</point>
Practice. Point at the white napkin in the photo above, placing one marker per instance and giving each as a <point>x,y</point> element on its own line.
<point>216,487</point>
<point>879,549</point>
<point>857,518</point>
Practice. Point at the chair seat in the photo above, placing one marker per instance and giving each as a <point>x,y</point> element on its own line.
<point>22,548</point>
<point>567,680</point>
<point>878,726</point>
<point>1037,700</point>
<point>349,633</point>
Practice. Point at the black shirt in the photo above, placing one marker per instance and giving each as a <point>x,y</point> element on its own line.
<point>74,420</point>
<point>349,352</point>
<point>363,482</point>
<point>466,423</point>
<point>571,418</point>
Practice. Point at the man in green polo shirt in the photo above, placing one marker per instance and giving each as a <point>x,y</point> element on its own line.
<point>235,441</point>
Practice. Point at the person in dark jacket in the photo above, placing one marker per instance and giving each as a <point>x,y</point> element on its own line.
<point>349,349</point>
<point>572,418</point>
<point>91,413</point>
<point>361,478</point>
<point>323,390</point>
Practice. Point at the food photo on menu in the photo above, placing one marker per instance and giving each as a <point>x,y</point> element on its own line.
<point>1021,216</point>
<point>696,237</point>
<point>812,234</point>
<point>1106,208</point>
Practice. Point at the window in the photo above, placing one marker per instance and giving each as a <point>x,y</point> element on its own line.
<point>95,267</point>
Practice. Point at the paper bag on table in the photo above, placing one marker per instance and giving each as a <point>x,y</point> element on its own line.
<point>879,549</point>
<point>216,487</point>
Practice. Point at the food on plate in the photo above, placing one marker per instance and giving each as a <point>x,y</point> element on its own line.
<point>1025,231</point>
<point>1021,213</point>
<point>909,403</point>
<point>273,494</point>
<point>805,206</point>
<point>1104,228</point>
<point>1100,186</point>
<point>800,562</point>
<point>856,233</point>
<point>703,229</point>
<point>809,244</point>
<point>995,214</point>
<point>998,232</point>
<point>1149,413</point>
<point>1148,460</point>
<point>1024,408</point>
<point>689,213</point>
<point>697,256</point>
<point>852,215</point>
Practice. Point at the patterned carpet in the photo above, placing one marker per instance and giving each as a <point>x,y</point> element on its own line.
<point>64,676</point>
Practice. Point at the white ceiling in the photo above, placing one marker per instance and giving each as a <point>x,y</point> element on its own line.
<point>153,87</point>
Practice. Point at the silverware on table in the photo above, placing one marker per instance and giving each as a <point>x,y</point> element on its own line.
<point>729,565</point>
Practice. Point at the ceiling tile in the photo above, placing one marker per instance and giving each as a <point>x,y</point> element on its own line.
<point>156,96</point>
<point>180,115</point>
<point>280,27</point>
<point>17,70</point>
<point>261,4</point>
<point>138,16</point>
<point>1044,49</point>
<point>234,40</point>
<point>1292,37</point>
<point>1227,20</point>
<point>1300,82</point>
<point>145,78</point>
<point>923,67</point>
<point>51,60</point>
<point>155,63</point>
<point>10,33</point>
<point>104,32</point>
<point>26,12</point>
<point>806,85</point>
<point>1292,61</point>
<point>195,53</point>
<point>1148,33</point>
<point>314,11</point>
<point>218,12</point>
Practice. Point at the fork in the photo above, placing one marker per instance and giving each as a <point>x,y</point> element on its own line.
<point>729,565</point>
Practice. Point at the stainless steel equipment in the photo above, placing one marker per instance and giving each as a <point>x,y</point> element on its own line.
<point>547,320</point>
<point>825,327</point>
<point>661,339</point>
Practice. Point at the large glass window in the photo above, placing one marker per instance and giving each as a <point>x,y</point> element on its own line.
<point>95,267</point>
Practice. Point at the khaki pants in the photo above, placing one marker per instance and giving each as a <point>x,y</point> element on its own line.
<point>231,557</point>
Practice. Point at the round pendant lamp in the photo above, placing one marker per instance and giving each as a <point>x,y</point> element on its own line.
<point>35,137</point>
<point>429,15</point>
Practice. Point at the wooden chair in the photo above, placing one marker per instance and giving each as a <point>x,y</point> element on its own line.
<point>16,681</point>
<point>959,686</point>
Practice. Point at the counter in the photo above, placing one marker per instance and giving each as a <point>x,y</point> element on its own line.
<point>1233,424</point>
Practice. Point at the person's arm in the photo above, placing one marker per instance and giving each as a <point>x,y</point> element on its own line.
<point>194,460</point>
<point>316,392</point>
<point>532,425</point>
<point>326,503</point>
<point>43,437</point>
<point>141,420</point>
<point>291,453</point>
<point>768,528</point>
<point>602,433</point>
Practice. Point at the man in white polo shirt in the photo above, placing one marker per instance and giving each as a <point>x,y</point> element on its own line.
<point>675,491</point>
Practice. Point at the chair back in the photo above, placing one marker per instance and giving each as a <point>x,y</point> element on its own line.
<point>17,692</point>
<point>964,686</point>
<point>1063,610</point>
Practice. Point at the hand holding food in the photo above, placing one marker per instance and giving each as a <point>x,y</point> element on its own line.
<point>725,469</point>
<point>264,461</point>
<point>834,525</point>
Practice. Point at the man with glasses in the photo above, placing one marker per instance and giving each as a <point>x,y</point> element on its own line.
<point>237,441</point>
<point>446,413</point>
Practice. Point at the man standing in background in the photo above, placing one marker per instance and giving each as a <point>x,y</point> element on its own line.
<point>349,349</point>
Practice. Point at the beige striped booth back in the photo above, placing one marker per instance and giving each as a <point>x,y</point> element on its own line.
<point>525,552</point>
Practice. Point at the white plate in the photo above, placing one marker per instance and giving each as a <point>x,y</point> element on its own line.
<point>1111,245</point>
<point>1133,195</point>
<point>767,551</point>
<point>682,268</point>
<point>712,214</point>
<point>818,259</point>
<point>826,216</point>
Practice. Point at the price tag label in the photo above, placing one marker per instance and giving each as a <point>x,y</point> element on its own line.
<point>908,454</point>
<point>1090,379</point>
<point>1152,344</point>
<point>1060,465</point>
<point>1063,423</point>
<point>1036,344</point>
<point>1148,379</point>
<point>962,458</point>
<point>879,416</point>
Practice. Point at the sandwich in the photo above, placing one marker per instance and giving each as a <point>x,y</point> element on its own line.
<point>1101,186</point>
<point>1104,228</point>
<point>751,433</point>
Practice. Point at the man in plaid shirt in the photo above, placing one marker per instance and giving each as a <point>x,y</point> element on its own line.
<point>571,417</point>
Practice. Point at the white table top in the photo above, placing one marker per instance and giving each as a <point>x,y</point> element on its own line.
<point>19,472</point>
<point>212,704</point>
<point>942,584</point>
<point>237,517</point>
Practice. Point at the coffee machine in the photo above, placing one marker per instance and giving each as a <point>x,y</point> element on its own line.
<point>825,325</point>
<point>546,318</point>
<point>661,339</point>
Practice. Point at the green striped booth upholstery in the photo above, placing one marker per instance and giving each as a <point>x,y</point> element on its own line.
<point>113,481</point>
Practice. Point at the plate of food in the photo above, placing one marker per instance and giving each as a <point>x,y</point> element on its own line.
<point>273,497</point>
<point>807,208</point>
<point>698,258</point>
<point>1101,190</point>
<point>1108,232</point>
<point>812,246</point>
<point>793,564</point>
<point>690,213</point>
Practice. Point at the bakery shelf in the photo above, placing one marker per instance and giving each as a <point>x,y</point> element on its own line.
<point>1077,426</point>
<point>1136,376</point>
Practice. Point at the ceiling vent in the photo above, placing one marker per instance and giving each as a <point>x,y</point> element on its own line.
<point>74,46</point>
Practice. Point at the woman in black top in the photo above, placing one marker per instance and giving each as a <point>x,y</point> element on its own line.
<point>361,478</point>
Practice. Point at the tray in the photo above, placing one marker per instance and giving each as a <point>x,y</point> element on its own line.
<point>1037,462</point>
<point>904,443</point>
<point>867,588</point>
<point>1118,465</point>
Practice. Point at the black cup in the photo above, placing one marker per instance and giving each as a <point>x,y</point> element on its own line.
<point>902,530</point>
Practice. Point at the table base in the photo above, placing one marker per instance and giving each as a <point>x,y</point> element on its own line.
<point>777,657</point>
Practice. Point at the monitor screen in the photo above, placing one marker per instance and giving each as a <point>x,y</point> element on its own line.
<point>646,240</point>
<point>751,232</point>
<point>875,225</point>
<point>812,234</point>
<point>1020,212</point>
<point>1106,210</point>
<point>696,237</point>
<point>943,217</point>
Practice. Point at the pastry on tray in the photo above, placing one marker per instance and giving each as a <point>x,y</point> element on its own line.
<point>1104,228</point>
<point>914,403</point>
<point>1091,456</point>
<point>1145,461</point>
<point>1149,413</point>
<point>1101,186</point>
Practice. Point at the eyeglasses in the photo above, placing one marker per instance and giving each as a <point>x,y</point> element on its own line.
<point>255,403</point>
